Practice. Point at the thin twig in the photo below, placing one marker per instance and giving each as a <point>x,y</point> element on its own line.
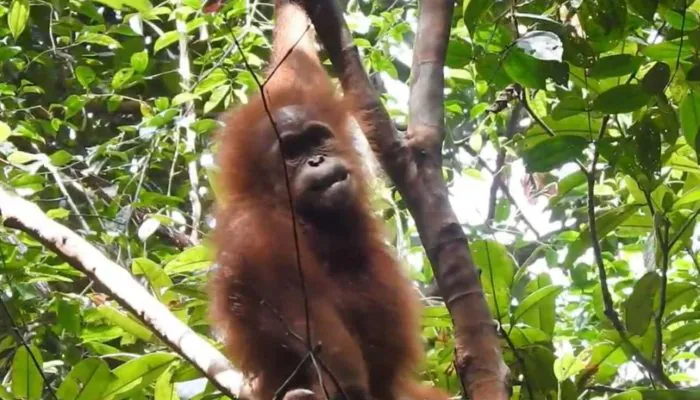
<point>658,353</point>
<point>609,309</point>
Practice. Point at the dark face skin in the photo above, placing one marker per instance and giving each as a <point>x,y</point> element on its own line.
<point>321,182</point>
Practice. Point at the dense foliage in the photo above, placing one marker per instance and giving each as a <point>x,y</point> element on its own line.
<point>581,109</point>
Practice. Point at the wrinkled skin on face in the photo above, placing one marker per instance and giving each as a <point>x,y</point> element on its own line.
<point>322,183</point>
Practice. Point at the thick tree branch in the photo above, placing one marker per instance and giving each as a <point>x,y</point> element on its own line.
<point>415,167</point>
<point>21,214</point>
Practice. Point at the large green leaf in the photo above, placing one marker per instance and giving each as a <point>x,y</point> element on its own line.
<point>27,379</point>
<point>656,79</point>
<point>18,16</point>
<point>542,301</point>
<point>88,380</point>
<point>690,118</point>
<point>473,10</point>
<point>541,316</point>
<point>615,65</point>
<point>137,373</point>
<point>553,153</point>
<point>639,306</point>
<point>621,99</point>
<point>497,271</point>
<point>647,136</point>
<point>192,259</point>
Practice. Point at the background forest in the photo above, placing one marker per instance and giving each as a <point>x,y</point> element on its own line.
<point>571,154</point>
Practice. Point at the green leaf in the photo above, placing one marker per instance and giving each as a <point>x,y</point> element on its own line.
<point>166,40</point>
<point>473,10</point>
<point>606,222</point>
<point>539,369</point>
<point>532,72</point>
<point>98,38</point>
<point>645,8</point>
<point>122,77</point>
<point>621,99</point>
<point>687,21</point>
<point>156,276</point>
<point>58,213</point>
<point>497,270</point>
<point>165,387</point>
<point>459,53</point>
<point>88,380</point>
<point>693,74</point>
<point>126,322</point>
<point>542,297</point>
<point>542,317</point>
<point>604,21</point>
<point>651,394</point>
<point>21,157</point>
<point>217,95</point>
<point>68,312</point>
<point>138,5</point>
<point>668,51</point>
<point>568,105</point>
<point>568,366</point>
<point>215,79</point>
<point>615,65</point>
<point>647,137</point>
<point>192,259</point>
<point>115,4</point>
<point>5,131</point>
<point>139,61</point>
<point>688,198</point>
<point>523,336</point>
<point>85,75</point>
<point>27,382</point>
<point>639,306</point>
<point>60,158</point>
<point>18,16</point>
<point>656,79</point>
<point>628,395</point>
<point>137,373</point>
<point>553,153</point>
<point>74,104</point>
<point>690,118</point>
<point>684,335</point>
<point>183,98</point>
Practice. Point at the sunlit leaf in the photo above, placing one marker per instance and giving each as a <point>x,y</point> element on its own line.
<point>138,372</point>
<point>87,380</point>
<point>27,380</point>
<point>166,40</point>
<point>98,38</point>
<point>18,16</point>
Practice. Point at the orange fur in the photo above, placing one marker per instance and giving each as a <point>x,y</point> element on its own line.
<point>362,309</point>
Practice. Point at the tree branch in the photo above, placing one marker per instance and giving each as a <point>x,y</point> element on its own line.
<point>609,309</point>
<point>25,216</point>
<point>415,167</point>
